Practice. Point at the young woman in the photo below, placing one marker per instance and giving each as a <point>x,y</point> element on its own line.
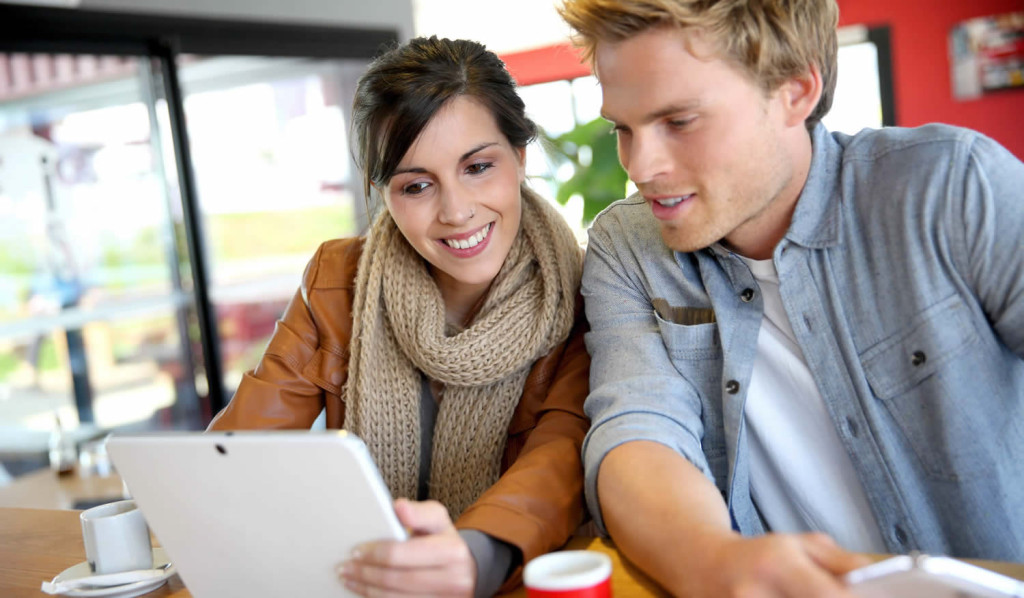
<point>449,338</point>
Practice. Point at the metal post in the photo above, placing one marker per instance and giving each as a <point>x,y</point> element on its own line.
<point>207,322</point>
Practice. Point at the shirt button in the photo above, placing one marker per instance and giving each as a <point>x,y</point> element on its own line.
<point>732,387</point>
<point>901,536</point>
<point>918,358</point>
<point>747,295</point>
<point>851,425</point>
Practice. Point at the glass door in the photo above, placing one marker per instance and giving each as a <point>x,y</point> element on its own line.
<point>95,301</point>
<point>163,181</point>
<point>274,179</point>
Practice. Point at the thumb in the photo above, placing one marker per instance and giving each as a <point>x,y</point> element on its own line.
<point>824,551</point>
<point>423,517</point>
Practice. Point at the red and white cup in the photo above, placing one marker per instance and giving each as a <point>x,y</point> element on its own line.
<point>569,574</point>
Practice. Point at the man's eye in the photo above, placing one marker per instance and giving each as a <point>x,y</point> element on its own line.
<point>680,123</point>
<point>415,188</point>
<point>479,167</point>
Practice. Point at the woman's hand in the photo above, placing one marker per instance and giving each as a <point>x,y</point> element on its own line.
<point>435,560</point>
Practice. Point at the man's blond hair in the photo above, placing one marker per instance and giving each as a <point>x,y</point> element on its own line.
<point>769,40</point>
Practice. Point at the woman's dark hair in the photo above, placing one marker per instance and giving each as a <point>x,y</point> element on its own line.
<point>403,89</point>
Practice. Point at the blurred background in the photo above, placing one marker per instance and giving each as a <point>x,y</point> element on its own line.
<point>168,168</point>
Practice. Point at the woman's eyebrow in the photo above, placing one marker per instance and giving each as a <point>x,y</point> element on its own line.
<point>476,149</point>
<point>421,170</point>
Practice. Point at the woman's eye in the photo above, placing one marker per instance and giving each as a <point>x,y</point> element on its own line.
<point>415,188</point>
<point>479,167</point>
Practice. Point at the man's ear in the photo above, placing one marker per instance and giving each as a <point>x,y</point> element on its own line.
<point>799,95</point>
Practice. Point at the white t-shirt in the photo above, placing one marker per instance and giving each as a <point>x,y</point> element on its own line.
<point>801,477</point>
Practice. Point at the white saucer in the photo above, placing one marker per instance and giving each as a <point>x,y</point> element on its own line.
<point>123,591</point>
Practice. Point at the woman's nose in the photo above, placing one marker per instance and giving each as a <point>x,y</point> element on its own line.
<point>457,207</point>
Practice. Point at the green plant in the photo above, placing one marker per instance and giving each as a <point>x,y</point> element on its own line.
<point>597,175</point>
<point>15,259</point>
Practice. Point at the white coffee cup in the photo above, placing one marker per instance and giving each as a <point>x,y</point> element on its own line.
<point>116,538</point>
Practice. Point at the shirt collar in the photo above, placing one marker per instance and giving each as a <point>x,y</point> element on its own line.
<point>817,219</point>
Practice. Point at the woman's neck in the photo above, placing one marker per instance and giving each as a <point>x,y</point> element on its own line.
<point>461,301</point>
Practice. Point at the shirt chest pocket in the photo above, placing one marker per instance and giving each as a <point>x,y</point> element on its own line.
<point>696,352</point>
<point>690,342</point>
<point>917,375</point>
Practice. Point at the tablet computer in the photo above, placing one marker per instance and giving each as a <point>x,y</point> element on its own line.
<point>924,576</point>
<point>267,513</point>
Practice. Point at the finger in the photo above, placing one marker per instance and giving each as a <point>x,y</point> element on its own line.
<point>423,517</point>
<point>435,550</point>
<point>361,589</point>
<point>811,582</point>
<point>374,580</point>
<point>804,577</point>
<point>824,551</point>
<point>751,590</point>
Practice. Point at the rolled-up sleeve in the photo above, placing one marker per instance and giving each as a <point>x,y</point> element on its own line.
<point>636,392</point>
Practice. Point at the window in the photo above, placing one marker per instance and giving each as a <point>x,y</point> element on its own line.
<point>144,163</point>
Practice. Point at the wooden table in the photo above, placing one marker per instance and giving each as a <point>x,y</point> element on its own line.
<point>37,544</point>
<point>44,489</point>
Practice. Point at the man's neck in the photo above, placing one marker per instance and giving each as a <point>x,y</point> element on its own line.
<point>763,232</point>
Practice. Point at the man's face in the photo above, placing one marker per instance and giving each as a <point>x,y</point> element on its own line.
<point>709,149</point>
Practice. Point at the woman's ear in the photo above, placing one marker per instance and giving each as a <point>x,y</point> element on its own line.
<point>800,95</point>
<point>381,199</point>
<point>521,152</point>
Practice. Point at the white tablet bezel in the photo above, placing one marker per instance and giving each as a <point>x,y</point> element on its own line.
<point>257,513</point>
<point>925,576</point>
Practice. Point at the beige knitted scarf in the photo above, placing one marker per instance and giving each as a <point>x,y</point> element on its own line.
<point>399,331</point>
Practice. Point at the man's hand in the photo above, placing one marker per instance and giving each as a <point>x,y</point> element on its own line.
<point>776,566</point>
<point>434,561</point>
<point>669,519</point>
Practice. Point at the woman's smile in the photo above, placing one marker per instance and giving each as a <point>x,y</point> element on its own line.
<point>469,244</point>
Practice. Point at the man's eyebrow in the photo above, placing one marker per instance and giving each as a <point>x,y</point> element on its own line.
<point>465,156</point>
<point>660,113</point>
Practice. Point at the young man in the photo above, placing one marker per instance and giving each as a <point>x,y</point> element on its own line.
<point>793,331</point>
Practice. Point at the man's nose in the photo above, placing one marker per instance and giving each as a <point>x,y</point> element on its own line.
<point>646,158</point>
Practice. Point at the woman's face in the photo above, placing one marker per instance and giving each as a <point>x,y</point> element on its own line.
<point>455,196</point>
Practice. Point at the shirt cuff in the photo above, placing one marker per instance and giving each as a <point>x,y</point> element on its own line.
<point>609,434</point>
<point>494,561</point>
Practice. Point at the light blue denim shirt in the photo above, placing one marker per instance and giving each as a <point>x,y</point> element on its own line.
<point>902,274</point>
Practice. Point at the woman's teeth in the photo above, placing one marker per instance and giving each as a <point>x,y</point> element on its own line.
<point>668,203</point>
<point>470,242</point>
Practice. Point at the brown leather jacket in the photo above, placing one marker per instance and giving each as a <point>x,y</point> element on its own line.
<point>538,501</point>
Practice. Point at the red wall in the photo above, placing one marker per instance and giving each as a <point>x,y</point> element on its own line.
<point>543,65</point>
<point>919,32</point>
<point>921,68</point>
